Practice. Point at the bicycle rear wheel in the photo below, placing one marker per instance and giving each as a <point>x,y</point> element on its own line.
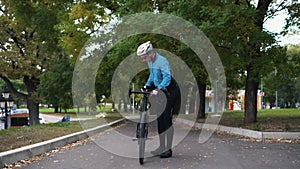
<point>142,142</point>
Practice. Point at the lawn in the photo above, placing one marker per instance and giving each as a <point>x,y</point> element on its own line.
<point>74,110</point>
<point>268,120</point>
<point>277,120</point>
<point>18,137</point>
<point>83,113</point>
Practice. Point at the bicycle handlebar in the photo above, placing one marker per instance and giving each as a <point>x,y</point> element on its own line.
<point>139,92</point>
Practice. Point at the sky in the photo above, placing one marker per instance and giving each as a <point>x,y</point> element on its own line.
<point>276,25</point>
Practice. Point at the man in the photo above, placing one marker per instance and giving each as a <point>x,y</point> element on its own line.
<point>160,77</point>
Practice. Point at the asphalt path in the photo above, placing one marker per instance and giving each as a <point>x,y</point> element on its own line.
<point>117,149</point>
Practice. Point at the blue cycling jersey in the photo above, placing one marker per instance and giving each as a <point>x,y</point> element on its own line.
<point>160,75</point>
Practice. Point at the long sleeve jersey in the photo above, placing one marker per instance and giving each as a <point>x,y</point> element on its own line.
<point>160,75</point>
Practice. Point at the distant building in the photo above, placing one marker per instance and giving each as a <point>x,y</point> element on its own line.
<point>238,102</point>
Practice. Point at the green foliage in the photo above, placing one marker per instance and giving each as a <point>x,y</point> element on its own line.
<point>37,33</point>
<point>229,26</point>
<point>293,59</point>
<point>134,6</point>
<point>55,86</point>
<point>285,80</point>
<point>79,22</point>
<point>293,19</point>
<point>29,44</point>
<point>29,37</point>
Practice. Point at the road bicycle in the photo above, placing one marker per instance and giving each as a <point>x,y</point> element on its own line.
<point>142,126</point>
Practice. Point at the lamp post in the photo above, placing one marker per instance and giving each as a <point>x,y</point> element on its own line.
<point>6,101</point>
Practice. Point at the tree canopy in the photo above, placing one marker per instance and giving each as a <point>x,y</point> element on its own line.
<point>28,45</point>
<point>41,38</point>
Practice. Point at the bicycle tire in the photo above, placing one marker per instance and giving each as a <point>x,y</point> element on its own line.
<point>142,142</point>
<point>142,150</point>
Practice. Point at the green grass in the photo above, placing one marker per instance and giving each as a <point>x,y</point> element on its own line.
<point>107,108</point>
<point>277,120</point>
<point>268,120</point>
<point>18,137</point>
<point>287,113</point>
<point>73,112</point>
<point>14,138</point>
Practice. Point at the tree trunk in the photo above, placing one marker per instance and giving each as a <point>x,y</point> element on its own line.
<point>201,109</point>
<point>184,97</point>
<point>33,108</point>
<point>250,97</point>
<point>113,106</point>
<point>32,105</point>
<point>119,105</point>
<point>251,83</point>
<point>125,104</point>
<point>192,102</point>
<point>55,109</point>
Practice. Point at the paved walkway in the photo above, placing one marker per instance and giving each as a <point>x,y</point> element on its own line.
<point>219,152</point>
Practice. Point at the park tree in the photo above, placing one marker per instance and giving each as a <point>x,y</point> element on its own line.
<point>55,84</point>
<point>236,28</point>
<point>35,34</point>
<point>284,80</point>
<point>28,45</point>
<point>264,9</point>
<point>293,54</point>
<point>168,44</point>
<point>82,22</point>
<point>245,46</point>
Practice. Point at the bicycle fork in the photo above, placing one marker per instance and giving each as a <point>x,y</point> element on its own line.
<point>142,127</point>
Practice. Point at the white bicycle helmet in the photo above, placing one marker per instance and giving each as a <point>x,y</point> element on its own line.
<point>144,48</point>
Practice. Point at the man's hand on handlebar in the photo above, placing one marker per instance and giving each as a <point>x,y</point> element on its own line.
<point>145,89</point>
<point>154,92</point>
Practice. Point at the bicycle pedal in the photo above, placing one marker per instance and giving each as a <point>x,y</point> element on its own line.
<point>136,139</point>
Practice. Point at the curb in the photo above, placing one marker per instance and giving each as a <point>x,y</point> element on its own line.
<point>11,156</point>
<point>243,132</point>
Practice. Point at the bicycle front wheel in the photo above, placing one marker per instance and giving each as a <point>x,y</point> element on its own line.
<point>142,151</point>
<point>142,142</point>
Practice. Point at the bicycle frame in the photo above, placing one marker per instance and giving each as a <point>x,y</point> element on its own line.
<point>145,98</point>
<point>142,128</point>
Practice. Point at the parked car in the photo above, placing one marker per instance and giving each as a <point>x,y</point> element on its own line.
<point>20,111</point>
<point>2,114</point>
<point>42,120</point>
